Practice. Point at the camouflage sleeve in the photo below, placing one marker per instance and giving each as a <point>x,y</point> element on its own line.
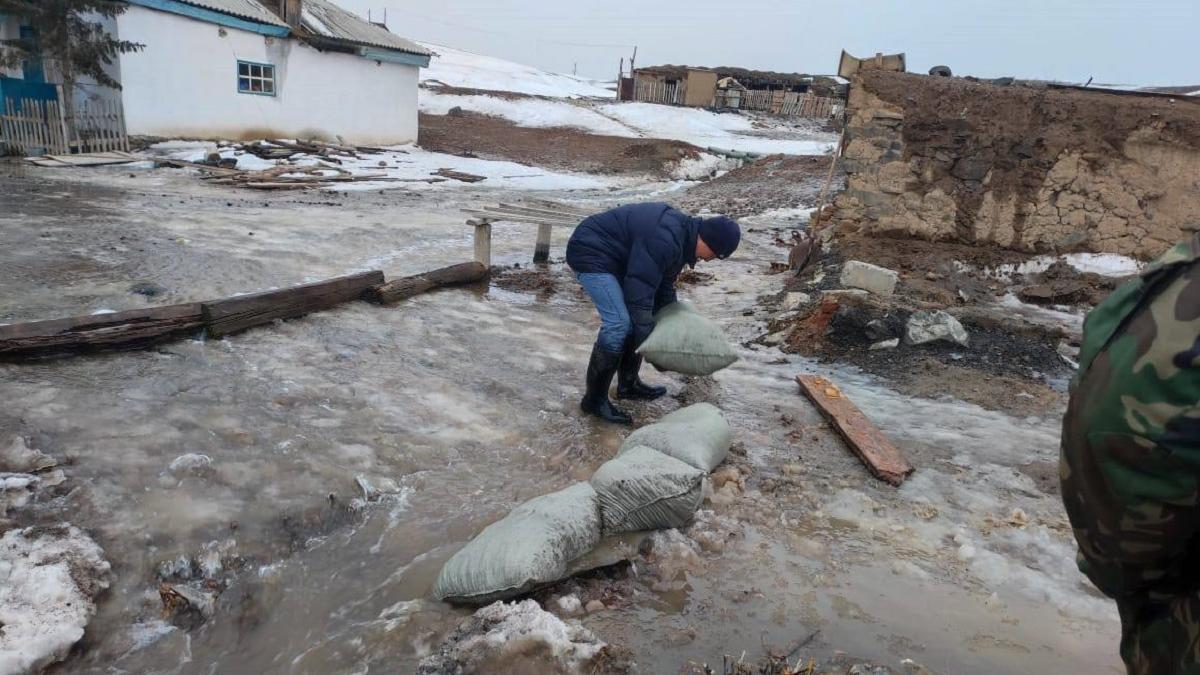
<point>1130,463</point>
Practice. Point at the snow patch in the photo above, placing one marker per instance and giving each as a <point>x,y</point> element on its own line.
<point>49,577</point>
<point>703,166</point>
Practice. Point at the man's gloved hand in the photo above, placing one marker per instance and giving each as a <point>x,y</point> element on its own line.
<point>643,325</point>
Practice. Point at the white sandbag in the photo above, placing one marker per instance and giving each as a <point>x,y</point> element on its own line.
<point>697,434</point>
<point>643,489</point>
<point>687,342</point>
<point>532,546</point>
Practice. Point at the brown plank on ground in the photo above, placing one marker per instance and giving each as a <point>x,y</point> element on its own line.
<point>98,331</point>
<point>230,315</point>
<point>883,459</point>
<point>406,287</point>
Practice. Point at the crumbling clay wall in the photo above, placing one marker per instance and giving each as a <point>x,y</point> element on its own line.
<point>1028,168</point>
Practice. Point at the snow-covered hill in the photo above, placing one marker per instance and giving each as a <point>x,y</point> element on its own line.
<point>457,68</point>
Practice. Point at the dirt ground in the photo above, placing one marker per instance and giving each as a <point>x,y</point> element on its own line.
<point>774,182</point>
<point>474,135</point>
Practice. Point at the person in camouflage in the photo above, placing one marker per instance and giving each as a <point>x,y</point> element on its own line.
<point>1130,464</point>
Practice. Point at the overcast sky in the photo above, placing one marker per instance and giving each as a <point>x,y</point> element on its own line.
<point>1128,42</point>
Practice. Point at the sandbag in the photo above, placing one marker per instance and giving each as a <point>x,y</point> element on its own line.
<point>686,342</point>
<point>643,489</point>
<point>697,435</point>
<point>532,546</point>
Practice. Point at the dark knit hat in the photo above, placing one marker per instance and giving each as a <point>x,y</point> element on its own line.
<point>721,234</point>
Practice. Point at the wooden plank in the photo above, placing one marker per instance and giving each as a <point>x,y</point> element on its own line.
<point>518,218</point>
<point>98,331</point>
<point>541,249</point>
<point>483,241</point>
<point>223,317</point>
<point>883,459</point>
<point>406,287</point>
<point>536,211</point>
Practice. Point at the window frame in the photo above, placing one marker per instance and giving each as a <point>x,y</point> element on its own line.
<point>251,78</point>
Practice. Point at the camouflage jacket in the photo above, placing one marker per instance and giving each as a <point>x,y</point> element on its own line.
<point>1130,465</point>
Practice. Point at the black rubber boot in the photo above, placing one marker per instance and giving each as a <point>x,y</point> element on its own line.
<point>601,368</point>
<point>629,385</point>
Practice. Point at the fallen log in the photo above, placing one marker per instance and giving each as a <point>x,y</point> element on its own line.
<point>883,459</point>
<point>222,317</point>
<point>98,331</point>
<point>406,287</point>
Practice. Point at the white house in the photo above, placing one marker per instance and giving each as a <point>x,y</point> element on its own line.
<point>241,69</point>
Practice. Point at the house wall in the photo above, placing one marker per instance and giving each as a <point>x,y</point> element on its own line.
<point>1023,167</point>
<point>184,84</point>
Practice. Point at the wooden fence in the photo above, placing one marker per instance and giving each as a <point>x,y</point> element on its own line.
<point>792,104</point>
<point>32,127</point>
<point>659,92</point>
<point>29,127</point>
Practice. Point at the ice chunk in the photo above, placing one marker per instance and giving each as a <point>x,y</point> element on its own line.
<point>49,577</point>
<point>507,633</point>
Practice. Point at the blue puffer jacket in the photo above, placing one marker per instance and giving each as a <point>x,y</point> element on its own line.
<point>645,246</point>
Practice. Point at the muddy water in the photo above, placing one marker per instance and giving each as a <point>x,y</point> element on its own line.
<point>452,409</point>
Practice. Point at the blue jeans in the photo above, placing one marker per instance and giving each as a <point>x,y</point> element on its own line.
<point>609,298</point>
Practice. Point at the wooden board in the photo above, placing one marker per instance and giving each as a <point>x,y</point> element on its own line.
<point>223,317</point>
<point>883,459</point>
<point>406,287</point>
<point>98,331</point>
<point>85,159</point>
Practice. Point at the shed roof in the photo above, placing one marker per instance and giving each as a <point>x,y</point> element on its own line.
<point>245,9</point>
<point>327,20</point>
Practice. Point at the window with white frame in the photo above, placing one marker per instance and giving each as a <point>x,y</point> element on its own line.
<point>256,78</point>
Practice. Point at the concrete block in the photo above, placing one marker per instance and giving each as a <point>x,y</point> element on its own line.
<point>878,280</point>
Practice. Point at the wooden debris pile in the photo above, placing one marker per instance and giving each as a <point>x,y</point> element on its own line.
<point>295,169</point>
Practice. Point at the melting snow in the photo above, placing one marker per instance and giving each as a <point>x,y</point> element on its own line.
<point>49,577</point>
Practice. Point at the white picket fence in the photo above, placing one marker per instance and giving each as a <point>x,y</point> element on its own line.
<point>31,127</point>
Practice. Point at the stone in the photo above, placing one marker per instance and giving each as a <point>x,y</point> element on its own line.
<point>868,277</point>
<point>878,329</point>
<point>971,168</point>
<point>793,301</point>
<point>594,606</point>
<point>885,344</point>
<point>725,474</point>
<point>931,326</point>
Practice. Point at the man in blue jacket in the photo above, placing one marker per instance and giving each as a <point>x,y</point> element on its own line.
<point>627,259</point>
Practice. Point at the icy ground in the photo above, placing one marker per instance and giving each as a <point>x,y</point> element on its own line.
<point>318,472</point>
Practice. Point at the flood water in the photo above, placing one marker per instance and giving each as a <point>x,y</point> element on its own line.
<point>351,452</point>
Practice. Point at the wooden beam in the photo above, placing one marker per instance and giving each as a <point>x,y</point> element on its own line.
<point>98,331</point>
<point>541,249</point>
<point>483,241</point>
<point>537,211</point>
<point>519,218</point>
<point>230,315</point>
<point>406,287</point>
<point>883,459</point>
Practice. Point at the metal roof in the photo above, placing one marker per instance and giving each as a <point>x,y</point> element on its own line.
<point>245,9</point>
<point>325,19</point>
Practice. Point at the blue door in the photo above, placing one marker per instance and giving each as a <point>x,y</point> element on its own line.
<point>33,71</point>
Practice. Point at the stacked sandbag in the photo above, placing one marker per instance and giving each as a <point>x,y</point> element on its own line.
<point>697,435</point>
<point>530,547</point>
<point>643,489</point>
<point>686,342</point>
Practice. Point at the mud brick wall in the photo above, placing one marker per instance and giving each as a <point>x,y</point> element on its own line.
<point>1028,168</point>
